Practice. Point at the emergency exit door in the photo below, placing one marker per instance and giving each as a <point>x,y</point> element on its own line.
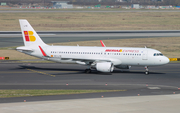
<point>145,55</point>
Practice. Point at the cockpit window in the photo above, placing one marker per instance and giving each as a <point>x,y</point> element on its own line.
<point>158,54</point>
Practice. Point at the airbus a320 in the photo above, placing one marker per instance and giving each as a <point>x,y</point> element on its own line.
<point>103,59</point>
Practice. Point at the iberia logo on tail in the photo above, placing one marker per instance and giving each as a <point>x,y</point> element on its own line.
<point>29,36</point>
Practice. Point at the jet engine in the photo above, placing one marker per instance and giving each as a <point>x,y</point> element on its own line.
<point>105,66</point>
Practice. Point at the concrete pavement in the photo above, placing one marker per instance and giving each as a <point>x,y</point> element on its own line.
<point>133,104</point>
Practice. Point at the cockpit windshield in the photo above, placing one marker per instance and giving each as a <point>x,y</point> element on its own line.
<point>158,54</point>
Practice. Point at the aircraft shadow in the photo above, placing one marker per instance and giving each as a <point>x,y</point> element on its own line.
<point>49,69</point>
<point>81,71</point>
<point>136,72</point>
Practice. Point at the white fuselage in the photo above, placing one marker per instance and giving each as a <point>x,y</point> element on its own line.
<point>116,55</point>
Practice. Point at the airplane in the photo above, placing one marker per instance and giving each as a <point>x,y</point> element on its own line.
<point>103,59</point>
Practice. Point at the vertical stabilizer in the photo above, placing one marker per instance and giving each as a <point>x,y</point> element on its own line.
<point>30,37</point>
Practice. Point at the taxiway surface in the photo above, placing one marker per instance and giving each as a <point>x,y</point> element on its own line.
<point>161,80</point>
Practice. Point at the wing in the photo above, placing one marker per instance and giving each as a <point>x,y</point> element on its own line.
<point>87,61</point>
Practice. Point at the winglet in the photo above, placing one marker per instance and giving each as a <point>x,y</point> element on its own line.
<point>103,45</point>
<point>44,54</point>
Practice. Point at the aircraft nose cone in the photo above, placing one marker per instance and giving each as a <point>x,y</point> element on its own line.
<point>165,60</point>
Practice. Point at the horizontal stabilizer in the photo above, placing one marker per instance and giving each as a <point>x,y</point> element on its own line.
<point>24,48</point>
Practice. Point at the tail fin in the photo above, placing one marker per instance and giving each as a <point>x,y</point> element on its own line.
<point>30,37</point>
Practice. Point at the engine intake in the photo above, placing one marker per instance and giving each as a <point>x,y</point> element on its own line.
<point>105,66</point>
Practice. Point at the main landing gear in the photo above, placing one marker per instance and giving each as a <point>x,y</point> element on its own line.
<point>88,71</point>
<point>147,71</point>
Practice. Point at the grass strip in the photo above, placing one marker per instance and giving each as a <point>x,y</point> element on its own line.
<point>63,21</point>
<point>26,93</point>
<point>74,9</point>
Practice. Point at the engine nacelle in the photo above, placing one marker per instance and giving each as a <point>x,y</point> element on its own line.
<point>123,67</point>
<point>105,66</point>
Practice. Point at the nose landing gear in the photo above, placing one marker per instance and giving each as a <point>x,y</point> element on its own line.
<point>147,71</point>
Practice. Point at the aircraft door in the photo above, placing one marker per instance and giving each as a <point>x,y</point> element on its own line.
<point>145,55</point>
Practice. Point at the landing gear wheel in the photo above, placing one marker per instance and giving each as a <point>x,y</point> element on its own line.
<point>146,72</point>
<point>88,71</point>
